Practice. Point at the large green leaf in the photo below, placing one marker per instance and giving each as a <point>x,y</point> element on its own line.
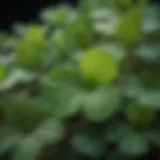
<point>63,99</point>
<point>23,114</point>
<point>98,66</point>
<point>49,132</point>
<point>8,138</point>
<point>28,149</point>
<point>102,103</point>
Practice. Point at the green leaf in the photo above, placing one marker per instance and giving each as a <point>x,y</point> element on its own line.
<point>49,132</point>
<point>116,130</point>
<point>57,16</point>
<point>139,115</point>
<point>148,51</point>
<point>105,21</point>
<point>98,66</point>
<point>132,86</point>
<point>151,22</point>
<point>116,50</point>
<point>129,29</point>
<point>63,100</point>
<point>122,4</point>
<point>60,41</point>
<point>19,29</point>
<point>8,138</point>
<point>152,78</point>
<point>29,50</point>
<point>153,136</point>
<point>28,149</point>
<point>134,144</point>
<point>150,99</point>
<point>3,38</point>
<point>89,143</point>
<point>77,29</point>
<point>102,103</point>
<point>2,73</point>
<point>66,74</point>
<point>23,114</point>
<point>17,75</point>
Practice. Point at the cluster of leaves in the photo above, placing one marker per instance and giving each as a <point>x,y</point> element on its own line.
<point>84,84</point>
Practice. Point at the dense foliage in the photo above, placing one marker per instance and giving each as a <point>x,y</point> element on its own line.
<point>83,84</point>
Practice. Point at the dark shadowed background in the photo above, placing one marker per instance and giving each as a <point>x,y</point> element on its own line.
<point>24,10</point>
<point>12,11</point>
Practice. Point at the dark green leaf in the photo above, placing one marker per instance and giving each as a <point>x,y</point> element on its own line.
<point>23,114</point>
<point>134,144</point>
<point>89,143</point>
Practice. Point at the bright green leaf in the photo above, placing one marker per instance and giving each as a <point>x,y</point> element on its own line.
<point>30,48</point>
<point>98,66</point>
